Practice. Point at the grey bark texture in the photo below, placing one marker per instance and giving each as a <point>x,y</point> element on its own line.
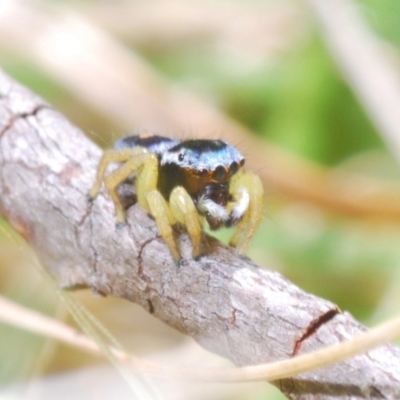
<point>228,304</point>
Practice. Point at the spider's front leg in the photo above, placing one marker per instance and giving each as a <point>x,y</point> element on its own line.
<point>161,212</point>
<point>185,212</point>
<point>180,209</point>
<point>247,190</point>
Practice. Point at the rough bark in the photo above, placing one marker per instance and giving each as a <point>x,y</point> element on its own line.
<point>225,302</point>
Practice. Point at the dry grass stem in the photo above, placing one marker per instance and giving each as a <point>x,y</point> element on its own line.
<point>32,321</point>
<point>363,63</point>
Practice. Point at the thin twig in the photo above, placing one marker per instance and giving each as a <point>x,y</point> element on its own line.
<point>32,321</point>
<point>360,57</point>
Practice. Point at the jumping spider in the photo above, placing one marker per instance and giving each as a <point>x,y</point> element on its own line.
<point>186,182</point>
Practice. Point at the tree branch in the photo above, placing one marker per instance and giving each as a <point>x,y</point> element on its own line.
<point>225,302</point>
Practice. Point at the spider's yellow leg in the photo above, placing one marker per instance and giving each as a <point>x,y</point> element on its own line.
<point>185,212</point>
<point>141,161</point>
<point>112,156</point>
<point>161,212</point>
<point>146,181</point>
<point>247,227</point>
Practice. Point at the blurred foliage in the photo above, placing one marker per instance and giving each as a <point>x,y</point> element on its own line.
<point>88,119</point>
<point>383,18</point>
<point>299,101</point>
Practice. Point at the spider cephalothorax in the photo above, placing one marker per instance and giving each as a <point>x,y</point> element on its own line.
<point>185,182</point>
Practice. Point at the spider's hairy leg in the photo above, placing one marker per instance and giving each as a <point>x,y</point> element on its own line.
<point>146,180</point>
<point>247,227</point>
<point>185,212</point>
<point>142,160</point>
<point>111,156</point>
<point>161,212</point>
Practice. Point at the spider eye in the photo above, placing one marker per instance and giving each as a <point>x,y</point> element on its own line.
<point>181,156</point>
<point>234,167</point>
<point>219,173</point>
<point>242,163</point>
<point>202,172</point>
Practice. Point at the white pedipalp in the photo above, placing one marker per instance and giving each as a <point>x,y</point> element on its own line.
<point>205,205</point>
<point>242,204</point>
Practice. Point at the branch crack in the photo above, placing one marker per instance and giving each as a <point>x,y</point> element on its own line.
<point>140,259</point>
<point>23,115</point>
<point>314,326</point>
